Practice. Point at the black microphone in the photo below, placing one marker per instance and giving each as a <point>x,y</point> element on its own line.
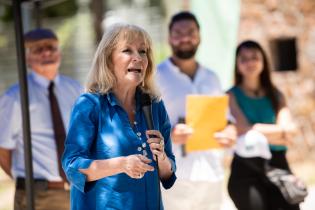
<point>146,106</point>
<point>183,146</point>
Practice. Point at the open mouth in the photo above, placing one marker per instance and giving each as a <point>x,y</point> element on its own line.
<point>134,70</point>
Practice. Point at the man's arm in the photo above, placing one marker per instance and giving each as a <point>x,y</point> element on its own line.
<point>10,126</point>
<point>5,160</point>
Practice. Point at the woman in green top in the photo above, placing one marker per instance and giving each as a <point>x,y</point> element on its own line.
<point>260,108</point>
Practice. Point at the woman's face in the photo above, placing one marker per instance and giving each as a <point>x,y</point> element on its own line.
<point>130,62</point>
<point>250,63</point>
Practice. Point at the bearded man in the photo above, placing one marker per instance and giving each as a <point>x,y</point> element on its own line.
<point>199,174</point>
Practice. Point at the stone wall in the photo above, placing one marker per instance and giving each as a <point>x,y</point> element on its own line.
<point>267,20</point>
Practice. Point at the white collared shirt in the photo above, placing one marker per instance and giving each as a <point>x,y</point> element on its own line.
<point>44,151</point>
<point>175,86</point>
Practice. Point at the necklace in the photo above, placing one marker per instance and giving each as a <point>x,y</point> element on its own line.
<point>252,92</point>
<point>256,92</point>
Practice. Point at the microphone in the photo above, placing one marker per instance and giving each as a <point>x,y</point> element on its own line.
<point>183,146</point>
<point>146,105</point>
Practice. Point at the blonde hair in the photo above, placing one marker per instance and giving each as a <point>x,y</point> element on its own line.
<point>101,78</point>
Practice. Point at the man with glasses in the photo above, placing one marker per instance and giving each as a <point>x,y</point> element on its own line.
<point>51,97</point>
<point>199,174</point>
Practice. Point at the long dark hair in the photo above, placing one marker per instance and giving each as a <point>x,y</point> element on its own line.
<point>265,79</point>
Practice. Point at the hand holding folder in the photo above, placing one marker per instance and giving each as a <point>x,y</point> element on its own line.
<point>206,115</point>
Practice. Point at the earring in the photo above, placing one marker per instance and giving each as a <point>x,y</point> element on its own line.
<point>142,83</point>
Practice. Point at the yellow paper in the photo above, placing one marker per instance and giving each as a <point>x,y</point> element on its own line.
<point>206,115</point>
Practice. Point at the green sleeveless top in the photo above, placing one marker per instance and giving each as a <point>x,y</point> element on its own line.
<point>256,110</point>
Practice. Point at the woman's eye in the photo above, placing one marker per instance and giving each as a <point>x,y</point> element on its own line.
<point>126,51</point>
<point>142,52</point>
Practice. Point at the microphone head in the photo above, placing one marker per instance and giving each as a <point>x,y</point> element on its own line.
<point>146,106</point>
<point>145,99</point>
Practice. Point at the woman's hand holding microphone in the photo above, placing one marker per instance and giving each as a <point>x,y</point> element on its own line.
<point>137,165</point>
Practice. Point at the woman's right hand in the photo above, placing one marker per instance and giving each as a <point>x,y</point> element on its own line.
<point>136,166</point>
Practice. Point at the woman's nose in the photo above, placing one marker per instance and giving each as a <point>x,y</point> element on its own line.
<point>137,56</point>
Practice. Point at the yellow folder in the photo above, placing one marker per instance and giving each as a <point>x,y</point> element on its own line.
<point>206,115</point>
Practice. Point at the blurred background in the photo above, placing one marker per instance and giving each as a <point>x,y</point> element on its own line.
<point>285,28</point>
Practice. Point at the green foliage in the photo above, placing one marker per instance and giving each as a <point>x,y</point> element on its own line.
<point>161,51</point>
<point>6,13</point>
<point>155,3</point>
<point>63,9</point>
<point>66,8</point>
<point>159,4</point>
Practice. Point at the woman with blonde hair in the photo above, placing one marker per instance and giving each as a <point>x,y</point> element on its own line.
<point>111,158</point>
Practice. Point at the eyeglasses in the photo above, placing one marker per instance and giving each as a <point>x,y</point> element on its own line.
<point>37,50</point>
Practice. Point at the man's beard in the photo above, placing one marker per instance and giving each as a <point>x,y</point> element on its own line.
<point>185,54</point>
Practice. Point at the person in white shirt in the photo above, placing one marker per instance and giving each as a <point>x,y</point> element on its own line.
<point>199,174</point>
<point>51,97</point>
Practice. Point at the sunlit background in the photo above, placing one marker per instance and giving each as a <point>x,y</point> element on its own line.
<point>285,28</point>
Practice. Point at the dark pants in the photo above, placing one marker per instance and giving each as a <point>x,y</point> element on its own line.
<point>45,198</point>
<point>249,191</point>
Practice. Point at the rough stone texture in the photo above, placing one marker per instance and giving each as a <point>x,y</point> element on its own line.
<point>266,20</point>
